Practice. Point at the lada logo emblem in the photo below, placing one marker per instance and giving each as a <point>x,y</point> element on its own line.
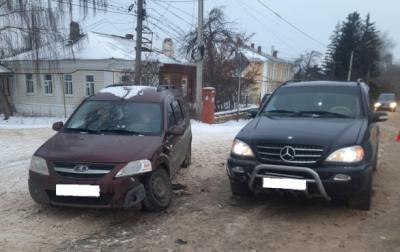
<point>81,168</point>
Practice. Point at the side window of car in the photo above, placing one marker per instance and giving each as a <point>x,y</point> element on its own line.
<point>171,117</point>
<point>177,111</point>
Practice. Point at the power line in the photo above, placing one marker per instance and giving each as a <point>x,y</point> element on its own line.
<point>290,24</point>
<point>272,32</point>
<point>174,14</point>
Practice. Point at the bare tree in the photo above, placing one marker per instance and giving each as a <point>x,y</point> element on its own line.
<point>307,66</point>
<point>222,41</point>
<point>28,25</point>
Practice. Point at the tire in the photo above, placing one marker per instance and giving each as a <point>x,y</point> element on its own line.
<point>362,201</point>
<point>188,158</point>
<point>158,191</point>
<point>240,189</point>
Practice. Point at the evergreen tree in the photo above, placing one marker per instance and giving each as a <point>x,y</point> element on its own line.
<point>329,64</point>
<point>369,51</point>
<point>360,37</point>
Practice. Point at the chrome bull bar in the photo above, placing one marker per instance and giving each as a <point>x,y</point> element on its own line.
<point>316,179</point>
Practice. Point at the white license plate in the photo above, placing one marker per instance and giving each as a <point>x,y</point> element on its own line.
<point>78,190</point>
<point>285,183</point>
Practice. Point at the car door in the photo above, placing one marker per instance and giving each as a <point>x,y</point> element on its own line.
<point>373,127</point>
<point>180,141</point>
<point>185,123</point>
<point>171,140</point>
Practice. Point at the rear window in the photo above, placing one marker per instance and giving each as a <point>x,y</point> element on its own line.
<point>317,101</point>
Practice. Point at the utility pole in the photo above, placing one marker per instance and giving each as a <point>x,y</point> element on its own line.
<point>350,66</point>
<point>239,82</point>
<point>139,30</point>
<point>199,68</point>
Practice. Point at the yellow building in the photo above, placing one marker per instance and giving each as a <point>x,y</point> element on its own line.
<point>268,70</point>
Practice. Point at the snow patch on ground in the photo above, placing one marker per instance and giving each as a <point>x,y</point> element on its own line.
<point>225,112</point>
<point>230,128</point>
<point>125,92</point>
<point>26,122</point>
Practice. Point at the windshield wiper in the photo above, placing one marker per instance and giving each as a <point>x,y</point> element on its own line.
<point>118,131</point>
<point>325,113</point>
<point>82,130</point>
<point>280,111</point>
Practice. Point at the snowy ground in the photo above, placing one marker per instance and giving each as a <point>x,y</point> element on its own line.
<point>26,122</point>
<point>203,217</point>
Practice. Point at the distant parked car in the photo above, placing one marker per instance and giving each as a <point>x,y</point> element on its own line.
<point>315,138</point>
<point>386,101</point>
<point>121,147</point>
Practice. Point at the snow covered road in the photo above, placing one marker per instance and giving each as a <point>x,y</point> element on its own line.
<point>202,218</point>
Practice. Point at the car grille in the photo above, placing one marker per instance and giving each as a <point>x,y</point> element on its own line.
<point>295,153</point>
<point>84,171</point>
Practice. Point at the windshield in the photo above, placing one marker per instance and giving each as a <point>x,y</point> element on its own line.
<point>386,97</point>
<point>117,117</point>
<point>315,101</point>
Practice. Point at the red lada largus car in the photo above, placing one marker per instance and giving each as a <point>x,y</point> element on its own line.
<point>121,147</point>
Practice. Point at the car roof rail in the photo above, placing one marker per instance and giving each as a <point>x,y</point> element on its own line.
<point>120,85</point>
<point>291,81</point>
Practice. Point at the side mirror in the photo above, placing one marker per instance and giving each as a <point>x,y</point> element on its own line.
<point>176,131</point>
<point>57,126</point>
<point>253,112</point>
<point>379,117</point>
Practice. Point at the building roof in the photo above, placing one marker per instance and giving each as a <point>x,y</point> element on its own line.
<point>252,55</point>
<point>95,46</point>
<point>4,70</point>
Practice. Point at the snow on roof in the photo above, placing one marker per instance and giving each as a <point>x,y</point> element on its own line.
<point>125,92</point>
<point>95,46</point>
<point>253,55</point>
<point>4,69</point>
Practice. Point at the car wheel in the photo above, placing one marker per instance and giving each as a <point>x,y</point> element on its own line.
<point>158,191</point>
<point>240,189</point>
<point>188,158</point>
<point>362,201</point>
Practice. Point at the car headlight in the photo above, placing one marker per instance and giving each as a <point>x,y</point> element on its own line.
<point>240,148</point>
<point>377,104</point>
<point>351,154</point>
<point>135,167</point>
<point>39,165</point>
<point>393,105</point>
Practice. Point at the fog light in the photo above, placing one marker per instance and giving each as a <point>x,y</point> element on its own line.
<point>342,177</point>
<point>238,169</point>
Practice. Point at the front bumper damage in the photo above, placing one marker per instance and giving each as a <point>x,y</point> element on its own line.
<point>117,193</point>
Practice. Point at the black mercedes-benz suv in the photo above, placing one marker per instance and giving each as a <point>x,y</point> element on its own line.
<point>319,138</point>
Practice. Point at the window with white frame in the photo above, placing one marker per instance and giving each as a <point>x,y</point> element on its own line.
<point>30,89</point>
<point>68,87</point>
<point>48,84</point>
<point>89,85</point>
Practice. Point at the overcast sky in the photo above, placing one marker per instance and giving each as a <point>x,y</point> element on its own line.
<point>317,18</point>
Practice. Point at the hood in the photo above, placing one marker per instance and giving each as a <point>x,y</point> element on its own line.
<point>94,148</point>
<point>326,132</point>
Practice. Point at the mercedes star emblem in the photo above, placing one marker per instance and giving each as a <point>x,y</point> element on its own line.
<point>288,153</point>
